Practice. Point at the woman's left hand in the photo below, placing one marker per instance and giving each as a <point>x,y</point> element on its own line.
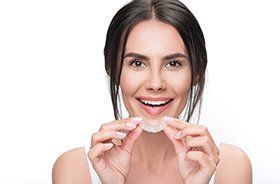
<point>198,155</point>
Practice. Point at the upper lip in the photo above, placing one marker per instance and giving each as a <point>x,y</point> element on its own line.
<point>155,98</point>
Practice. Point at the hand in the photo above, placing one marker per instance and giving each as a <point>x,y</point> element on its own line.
<point>112,162</point>
<point>196,150</point>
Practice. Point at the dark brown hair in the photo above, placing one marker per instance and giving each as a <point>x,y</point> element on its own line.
<point>172,12</point>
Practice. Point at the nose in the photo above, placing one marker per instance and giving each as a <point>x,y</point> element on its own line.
<point>155,82</point>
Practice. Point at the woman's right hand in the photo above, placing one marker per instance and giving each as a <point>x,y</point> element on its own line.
<point>112,162</point>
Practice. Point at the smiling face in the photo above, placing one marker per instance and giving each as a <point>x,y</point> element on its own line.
<point>156,70</point>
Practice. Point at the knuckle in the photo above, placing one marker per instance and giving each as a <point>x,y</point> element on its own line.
<point>189,154</point>
<point>93,135</point>
<point>213,166</point>
<point>188,143</point>
<point>203,127</point>
<point>114,134</point>
<point>103,126</point>
<point>200,154</point>
<point>218,160</point>
<point>111,133</point>
<point>205,140</point>
<point>184,129</point>
<point>94,138</point>
<point>89,154</point>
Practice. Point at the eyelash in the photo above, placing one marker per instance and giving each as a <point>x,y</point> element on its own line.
<point>174,61</point>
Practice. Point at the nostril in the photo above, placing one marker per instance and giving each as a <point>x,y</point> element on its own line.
<point>156,86</point>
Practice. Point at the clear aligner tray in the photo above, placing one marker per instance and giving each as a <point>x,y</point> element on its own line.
<point>153,126</point>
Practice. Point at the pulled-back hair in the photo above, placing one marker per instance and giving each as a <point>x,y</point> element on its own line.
<point>172,12</point>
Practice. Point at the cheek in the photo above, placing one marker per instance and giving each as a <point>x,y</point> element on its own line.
<point>180,82</point>
<point>130,82</point>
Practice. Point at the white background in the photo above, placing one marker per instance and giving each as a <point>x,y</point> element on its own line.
<point>54,93</point>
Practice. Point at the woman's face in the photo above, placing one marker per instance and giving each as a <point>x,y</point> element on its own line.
<point>155,71</point>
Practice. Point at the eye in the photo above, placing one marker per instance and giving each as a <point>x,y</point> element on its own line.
<point>136,63</point>
<point>175,64</point>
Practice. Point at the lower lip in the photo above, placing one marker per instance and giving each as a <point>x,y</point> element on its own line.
<point>155,110</point>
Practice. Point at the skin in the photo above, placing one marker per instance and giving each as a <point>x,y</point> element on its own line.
<point>174,160</point>
<point>154,77</point>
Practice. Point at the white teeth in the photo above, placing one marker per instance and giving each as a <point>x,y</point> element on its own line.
<point>148,102</point>
<point>153,128</point>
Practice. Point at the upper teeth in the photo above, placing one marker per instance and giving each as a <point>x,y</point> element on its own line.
<point>154,102</point>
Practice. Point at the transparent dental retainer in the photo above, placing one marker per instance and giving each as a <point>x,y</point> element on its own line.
<point>153,126</point>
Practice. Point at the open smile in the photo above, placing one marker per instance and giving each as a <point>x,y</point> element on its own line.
<point>154,106</point>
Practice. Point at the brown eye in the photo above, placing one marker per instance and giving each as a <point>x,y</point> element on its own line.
<point>175,64</point>
<point>136,63</point>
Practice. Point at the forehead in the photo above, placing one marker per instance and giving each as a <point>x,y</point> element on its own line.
<point>154,37</point>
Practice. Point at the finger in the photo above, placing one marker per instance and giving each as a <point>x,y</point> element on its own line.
<point>207,165</point>
<point>121,124</point>
<point>179,145</point>
<point>96,151</point>
<point>189,128</point>
<point>124,124</point>
<point>117,142</point>
<point>130,139</point>
<point>106,135</point>
<point>176,123</point>
<point>206,145</point>
<point>194,131</point>
<point>129,127</point>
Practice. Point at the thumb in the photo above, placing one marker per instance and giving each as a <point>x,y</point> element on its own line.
<point>179,145</point>
<point>132,136</point>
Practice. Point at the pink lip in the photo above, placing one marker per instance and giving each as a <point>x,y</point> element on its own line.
<point>154,111</point>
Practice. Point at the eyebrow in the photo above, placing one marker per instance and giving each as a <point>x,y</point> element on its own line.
<point>168,57</point>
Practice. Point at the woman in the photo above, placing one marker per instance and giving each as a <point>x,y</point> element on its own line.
<point>155,51</point>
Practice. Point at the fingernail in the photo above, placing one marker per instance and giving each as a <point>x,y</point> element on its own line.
<point>178,134</point>
<point>133,125</point>
<point>167,119</point>
<point>136,119</point>
<point>109,145</point>
<point>121,135</point>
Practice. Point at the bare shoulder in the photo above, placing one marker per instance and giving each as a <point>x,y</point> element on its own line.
<point>71,167</point>
<point>234,166</point>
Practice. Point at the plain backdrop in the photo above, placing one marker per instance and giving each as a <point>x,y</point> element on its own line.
<point>54,92</point>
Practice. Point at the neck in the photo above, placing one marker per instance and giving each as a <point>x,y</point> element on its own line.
<point>153,150</point>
